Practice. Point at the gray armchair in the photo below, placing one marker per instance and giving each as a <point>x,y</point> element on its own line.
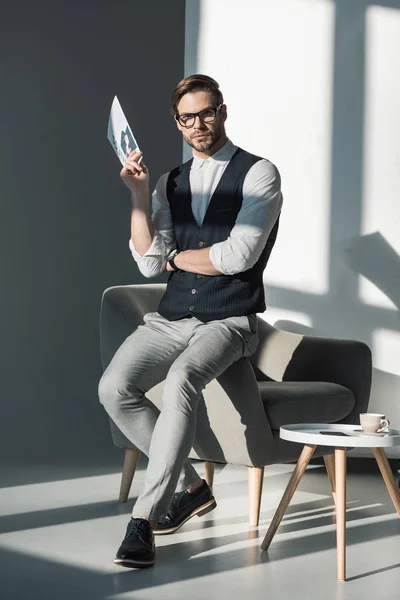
<point>291,378</point>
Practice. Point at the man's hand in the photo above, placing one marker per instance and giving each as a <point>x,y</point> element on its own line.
<point>134,175</point>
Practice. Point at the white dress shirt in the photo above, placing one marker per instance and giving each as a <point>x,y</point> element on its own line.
<point>262,202</point>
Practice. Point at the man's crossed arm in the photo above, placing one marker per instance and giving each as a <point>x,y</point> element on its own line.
<point>195,261</point>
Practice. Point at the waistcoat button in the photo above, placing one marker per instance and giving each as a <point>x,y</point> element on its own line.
<point>201,244</point>
<point>191,308</point>
<point>194,291</point>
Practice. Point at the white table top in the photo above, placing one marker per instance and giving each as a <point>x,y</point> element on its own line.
<point>310,433</point>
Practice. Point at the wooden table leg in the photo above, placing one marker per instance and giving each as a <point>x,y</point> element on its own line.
<point>329,461</point>
<point>387,475</point>
<point>340,477</point>
<point>297,474</point>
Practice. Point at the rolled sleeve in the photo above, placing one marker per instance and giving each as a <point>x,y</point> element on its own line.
<point>153,262</point>
<point>262,203</point>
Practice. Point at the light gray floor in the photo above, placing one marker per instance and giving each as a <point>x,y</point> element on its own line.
<point>58,538</point>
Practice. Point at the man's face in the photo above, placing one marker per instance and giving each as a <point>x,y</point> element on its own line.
<point>201,136</point>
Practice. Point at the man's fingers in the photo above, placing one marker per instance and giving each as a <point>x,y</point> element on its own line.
<point>132,160</point>
<point>131,169</point>
<point>134,165</point>
<point>136,154</point>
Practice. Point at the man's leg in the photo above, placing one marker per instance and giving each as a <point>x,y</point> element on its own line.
<point>213,347</point>
<point>142,361</point>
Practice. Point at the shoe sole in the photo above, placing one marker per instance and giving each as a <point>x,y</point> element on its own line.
<point>199,511</point>
<point>133,564</point>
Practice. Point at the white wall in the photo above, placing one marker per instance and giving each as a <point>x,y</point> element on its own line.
<point>313,86</point>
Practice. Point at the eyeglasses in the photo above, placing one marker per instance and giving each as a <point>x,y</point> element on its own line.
<point>207,115</point>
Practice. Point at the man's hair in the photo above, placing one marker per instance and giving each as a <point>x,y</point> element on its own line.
<point>195,83</point>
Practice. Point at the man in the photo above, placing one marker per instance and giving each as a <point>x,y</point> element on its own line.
<point>211,223</point>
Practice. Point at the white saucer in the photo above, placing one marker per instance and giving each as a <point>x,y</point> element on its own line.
<point>381,434</point>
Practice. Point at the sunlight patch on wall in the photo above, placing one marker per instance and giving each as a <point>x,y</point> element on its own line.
<point>381,185</point>
<point>386,351</point>
<point>273,61</point>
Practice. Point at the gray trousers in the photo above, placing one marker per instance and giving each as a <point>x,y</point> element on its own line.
<point>187,354</point>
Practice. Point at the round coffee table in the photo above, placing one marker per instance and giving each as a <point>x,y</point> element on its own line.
<point>340,437</point>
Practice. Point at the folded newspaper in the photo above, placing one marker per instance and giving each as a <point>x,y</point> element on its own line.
<point>119,133</point>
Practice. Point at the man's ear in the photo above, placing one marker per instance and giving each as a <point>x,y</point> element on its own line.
<point>224,112</point>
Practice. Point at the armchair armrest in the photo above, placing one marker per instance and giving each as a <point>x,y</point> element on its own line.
<point>284,356</point>
<point>122,310</point>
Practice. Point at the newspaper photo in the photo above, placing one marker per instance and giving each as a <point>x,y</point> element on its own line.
<point>119,133</point>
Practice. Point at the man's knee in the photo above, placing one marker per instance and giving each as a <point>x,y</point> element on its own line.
<point>115,393</point>
<point>182,388</point>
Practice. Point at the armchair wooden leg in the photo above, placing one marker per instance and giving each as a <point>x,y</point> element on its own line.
<point>256,478</point>
<point>209,472</point>
<point>387,475</point>
<point>330,469</point>
<point>130,462</point>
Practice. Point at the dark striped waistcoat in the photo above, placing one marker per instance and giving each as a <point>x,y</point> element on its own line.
<point>210,297</point>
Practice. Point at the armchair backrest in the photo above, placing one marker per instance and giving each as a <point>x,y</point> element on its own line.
<point>285,356</point>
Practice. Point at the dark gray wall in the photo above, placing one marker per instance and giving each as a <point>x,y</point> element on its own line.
<point>64,222</point>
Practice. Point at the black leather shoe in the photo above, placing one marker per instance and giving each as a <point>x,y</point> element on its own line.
<point>184,506</point>
<point>137,549</point>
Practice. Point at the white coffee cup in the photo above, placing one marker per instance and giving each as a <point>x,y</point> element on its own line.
<point>373,423</point>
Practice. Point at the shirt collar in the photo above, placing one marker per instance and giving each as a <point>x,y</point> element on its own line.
<point>221,157</point>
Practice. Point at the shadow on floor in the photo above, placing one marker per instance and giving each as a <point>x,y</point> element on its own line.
<point>178,561</point>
